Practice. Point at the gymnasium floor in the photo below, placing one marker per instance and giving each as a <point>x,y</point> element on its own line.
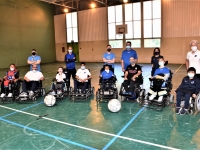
<point>86,125</point>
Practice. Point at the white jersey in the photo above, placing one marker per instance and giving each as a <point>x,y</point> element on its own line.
<point>194,60</point>
<point>83,73</point>
<point>60,78</point>
<point>34,76</point>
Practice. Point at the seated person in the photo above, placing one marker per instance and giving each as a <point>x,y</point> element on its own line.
<point>11,77</point>
<point>31,81</point>
<point>82,76</point>
<point>59,80</point>
<point>163,74</point>
<point>190,87</point>
<point>132,72</point>
<point>106,75</point>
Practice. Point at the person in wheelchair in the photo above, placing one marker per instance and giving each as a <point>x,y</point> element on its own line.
<point>59,82</point>
<point>31,81</point>
<point>82,77</point>
<point>132,75</point>
<point>189,87</point>
<point>159,79</point>
<point>9,79</point>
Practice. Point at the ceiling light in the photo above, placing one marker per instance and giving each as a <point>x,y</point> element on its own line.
<point>92,5</point>
<point>66,10</point>
<point>125,1</point>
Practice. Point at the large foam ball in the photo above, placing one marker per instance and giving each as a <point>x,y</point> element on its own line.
<point>50,100</point>
<point>114,105</point>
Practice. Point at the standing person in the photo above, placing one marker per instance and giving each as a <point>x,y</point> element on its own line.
<point>126,55</point>
<point>193,57</point>
<point>70,59</point>
<point>154,60</point>
<point>34,60</point>
<point>109,57</point>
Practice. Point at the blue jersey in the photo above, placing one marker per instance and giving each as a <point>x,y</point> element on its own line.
<point>126,54</point>
<point>106,75</point>
<point>34,59</point>
<point>109,57</point>
<point>164,71</point>
<point>70,61</point>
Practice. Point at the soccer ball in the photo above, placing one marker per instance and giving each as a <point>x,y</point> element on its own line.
<point>49,100</point>
<point>114,105</point>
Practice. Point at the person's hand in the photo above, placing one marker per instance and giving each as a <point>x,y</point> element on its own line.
<point>125,78</point>
<point>15,80</point>
<point>194,95</point>
<point>123,69</point>
<point>27,80</point>
<point>74,58</point>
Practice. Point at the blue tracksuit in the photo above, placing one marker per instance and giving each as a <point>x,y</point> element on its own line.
<point>70,62</point>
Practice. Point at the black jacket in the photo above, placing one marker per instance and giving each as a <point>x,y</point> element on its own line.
<point>189,85</point>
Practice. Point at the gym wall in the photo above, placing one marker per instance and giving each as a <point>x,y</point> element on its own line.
<point>24,25</point>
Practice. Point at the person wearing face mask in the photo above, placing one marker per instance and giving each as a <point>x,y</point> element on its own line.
<point>162,73</point>
<point>126,55</point>
<point>70,59</point>
<point>193,57</point>
<point>190,86</point>
<point>132,72</point>
<point>12,76</point>
<point>31,81</point>
<point>109,57</point>
<point>107,74</point>
<point>34,59</point>
<point>154,60</point>
<point>82,76</point>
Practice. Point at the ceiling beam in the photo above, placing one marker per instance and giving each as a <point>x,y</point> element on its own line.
<point>63,5</point>
<point>100,2</point>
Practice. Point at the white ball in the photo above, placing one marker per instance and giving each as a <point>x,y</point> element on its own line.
<point>49,100</point>
<point>114,105</point>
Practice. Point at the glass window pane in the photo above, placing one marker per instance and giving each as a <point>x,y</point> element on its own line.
<point>118,12</point>
<point>147,28</point>
<point>128,12</point>
<point>135,43</point>
<point>116,43</point>
<point>69,35</point>
<point>136,11</point>
<point>75,34</point>
<point>151,43</point>
<point>129,34</point>
<point>111,31</point>
<point>111,14</point>
<point>74,19</point>
<point>157,9</point>
<point>119,36</point>
<point>157,28</point>
<point>137,29</point>
<point>69,20</point>
<point>147,10</point>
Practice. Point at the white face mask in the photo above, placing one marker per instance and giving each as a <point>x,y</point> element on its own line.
<point>107,71</point>
<point>34,71</point>
<point>82,67</point>
<point>12,69</point>
<point>194,48</point>
<point>128,47</point>
<point>70,50</point>
<point>161,63</point>
<point>190,75</point>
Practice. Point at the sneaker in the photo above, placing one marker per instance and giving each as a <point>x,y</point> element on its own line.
<point>23,94</point>
<point>178,110</point>
<point>2,95</point>
<point>152,97</point>
<point>10,95</point>
<point>59,92</point>
<point>53,93</point>
<point>183,111</point>
<point>31,93</point>
<point>125,93</point>
<point>160,99</point>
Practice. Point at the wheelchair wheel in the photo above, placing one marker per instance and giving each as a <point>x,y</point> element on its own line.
<point>171,98</point>
<point>98,96</point>
<point>197,103</point>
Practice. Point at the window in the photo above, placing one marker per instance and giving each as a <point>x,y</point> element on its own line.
<point>149,43</point>
<point>72,28</point>
<point>135,43</point>
<point>116,43</point>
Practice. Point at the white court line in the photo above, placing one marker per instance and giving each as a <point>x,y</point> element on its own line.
<point>93,130</point>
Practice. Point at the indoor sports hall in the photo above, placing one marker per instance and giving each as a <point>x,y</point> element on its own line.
<point>49,29</point>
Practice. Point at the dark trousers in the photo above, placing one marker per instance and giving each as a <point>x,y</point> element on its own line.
<point>71,72</point>
<point>181,94</point>
<point>157,85</point>
<point>76,84</point>
<point>59,85</point>
<point>129,83</point>
<point>153,71</point>
<point>32,85</point>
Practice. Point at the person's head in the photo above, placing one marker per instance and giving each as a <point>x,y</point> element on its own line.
<point>128,45</point>
<point>161,62</point>
<point>60,70</point>
<point>191,72</point>
<point>132,60</point>
<point>82,65</point>
<point>194,45</point>
<point>156,51</point>
<point>12,67</point>
<point>33,52</point>
<point>34,68</point>
<point>109,48</point>
<point>70,49</point>
<point>107,67</point>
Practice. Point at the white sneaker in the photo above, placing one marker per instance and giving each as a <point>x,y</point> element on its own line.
<point>10,95</point>
<point>23,94</point>
<point>160,99</point>
<point>53,93</point>
<point>2,95</point>
<point>152,97</point>
<point>31,93</point>
<point>59,92</point>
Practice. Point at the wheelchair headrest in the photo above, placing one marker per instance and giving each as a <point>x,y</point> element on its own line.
<point>166,63</point>
<point>110,66</point>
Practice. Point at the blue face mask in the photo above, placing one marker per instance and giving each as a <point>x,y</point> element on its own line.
<point>190,75</point>
<point>128,47</point>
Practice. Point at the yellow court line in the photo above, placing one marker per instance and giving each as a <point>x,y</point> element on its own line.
<point>178,68</point>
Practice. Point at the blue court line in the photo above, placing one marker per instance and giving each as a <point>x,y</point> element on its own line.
<point>123,129</point>
<point>21,109</point>
<point>47,134</point>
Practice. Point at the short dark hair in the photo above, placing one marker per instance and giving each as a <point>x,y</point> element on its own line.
<point>107,66</point>
<point>108,45</point>
<point>34,50</point>
<point>82,63</point>
<point>129,42</point>
<point>191,69</point>
<point>157,48</point>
